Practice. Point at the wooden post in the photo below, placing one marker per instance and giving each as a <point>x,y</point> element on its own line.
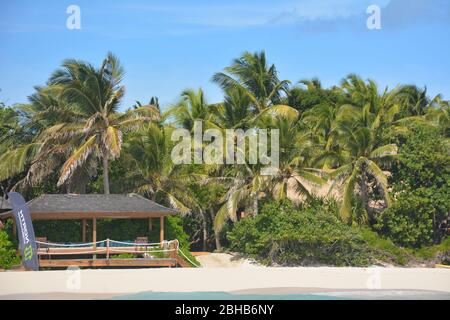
<point>94,234</point>
<point>150,225</point>
<point>161,229</point>
<point>83,230</point>
<point>107,249</point>
<point>173,245</point>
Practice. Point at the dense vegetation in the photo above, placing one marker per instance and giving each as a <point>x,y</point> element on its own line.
<point>378,159</point>
<point>286,235</point>
<point>8,253</point>
<point>421,182</point>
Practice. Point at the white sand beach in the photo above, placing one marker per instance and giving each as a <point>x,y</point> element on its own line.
<point>107,283</point>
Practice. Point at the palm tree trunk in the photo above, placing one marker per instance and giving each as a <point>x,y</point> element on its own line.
<point>255,205</point>
<point>216,233</point>
<point>205,230</point>
<point>364,191</point>
<point>105,174</point>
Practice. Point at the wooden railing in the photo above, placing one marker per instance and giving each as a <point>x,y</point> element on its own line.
<point>105,253</point>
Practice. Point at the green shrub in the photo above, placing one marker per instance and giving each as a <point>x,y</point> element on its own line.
<point>175,231</point>
<point>425,156</point>
<point>421,184</point>
<point>8,255</point>
<point>286,235</point>
<point>124,256</point>
<point>414,218</point>
<point>59,231</point>
<point>440,253</point>
<point>384,249</point>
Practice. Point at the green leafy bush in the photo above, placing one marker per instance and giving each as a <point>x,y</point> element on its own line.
<point>414,218</point>
<point>425,158</point>
<point>440,253</point>
<point>384,249</point>
<point>421,184</point>
<point>175,231</point>
<point>8,256</point>
<point>313,234</point>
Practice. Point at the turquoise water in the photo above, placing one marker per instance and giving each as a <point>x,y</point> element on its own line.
<point>343,295</point>
<point>221,296</point>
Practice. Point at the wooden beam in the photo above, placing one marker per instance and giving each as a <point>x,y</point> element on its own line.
<point>182,263</point>
<point>150,224</point>
<point>91,251</point>
<point>107,249</point>
<point>108,263</point>
<point>83,230</point>
<point>94,231</point>
<point>161,229</point>
<point>94,234</point>
<point>70,215</point>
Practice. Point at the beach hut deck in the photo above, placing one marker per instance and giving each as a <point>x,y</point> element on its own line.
<point>136,262</point>
<point>103,253</point>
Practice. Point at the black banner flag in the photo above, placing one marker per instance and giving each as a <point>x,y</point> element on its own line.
<point>27,243</point>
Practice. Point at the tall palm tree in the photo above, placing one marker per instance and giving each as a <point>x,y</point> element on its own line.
<point>295,160</point>
<point>380,109</point>
<point>95,94</point>
<point>312,84</point>
<point>154,101</point>
<point>35,151</point>
<point>191,107</point>
<point>363,155</point>
<point>357,129</point>
<point>153,173</point>
<point>247,184</point>
<point>152,170</point>
<point>235,110</point>
<point>255,78</point>
<point>440,115</point>
<point>321,122</point>
<point>416,100</point>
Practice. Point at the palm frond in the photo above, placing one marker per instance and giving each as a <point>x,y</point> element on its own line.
<point>112,140</point>
<point>77,159</point>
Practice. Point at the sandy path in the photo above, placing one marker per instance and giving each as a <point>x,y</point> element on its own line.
<point>224,260</point>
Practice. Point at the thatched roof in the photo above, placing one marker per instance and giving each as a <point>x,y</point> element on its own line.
<point>78,206</point>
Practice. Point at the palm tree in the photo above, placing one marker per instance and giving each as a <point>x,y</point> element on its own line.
<point>33,150</point>
<point>246,183</point>
<point>416,101</point>
<point>153,172</point>
<point>154,101</point>
<point>357,129</point>
<point>320,120</point>
<point>255,78</point>
<point>440,115</point>
<point>363,157</point>
<point>295,160</point>
<point>312,84</point>
<point>235,110</point>
<point>191,107</point>
<point>95,94</point>
<point>379,109</point>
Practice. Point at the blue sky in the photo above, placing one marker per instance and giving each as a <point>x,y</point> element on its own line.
<point>169,46</point>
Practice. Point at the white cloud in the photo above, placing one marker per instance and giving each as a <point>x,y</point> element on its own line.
<point>254,14</point>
